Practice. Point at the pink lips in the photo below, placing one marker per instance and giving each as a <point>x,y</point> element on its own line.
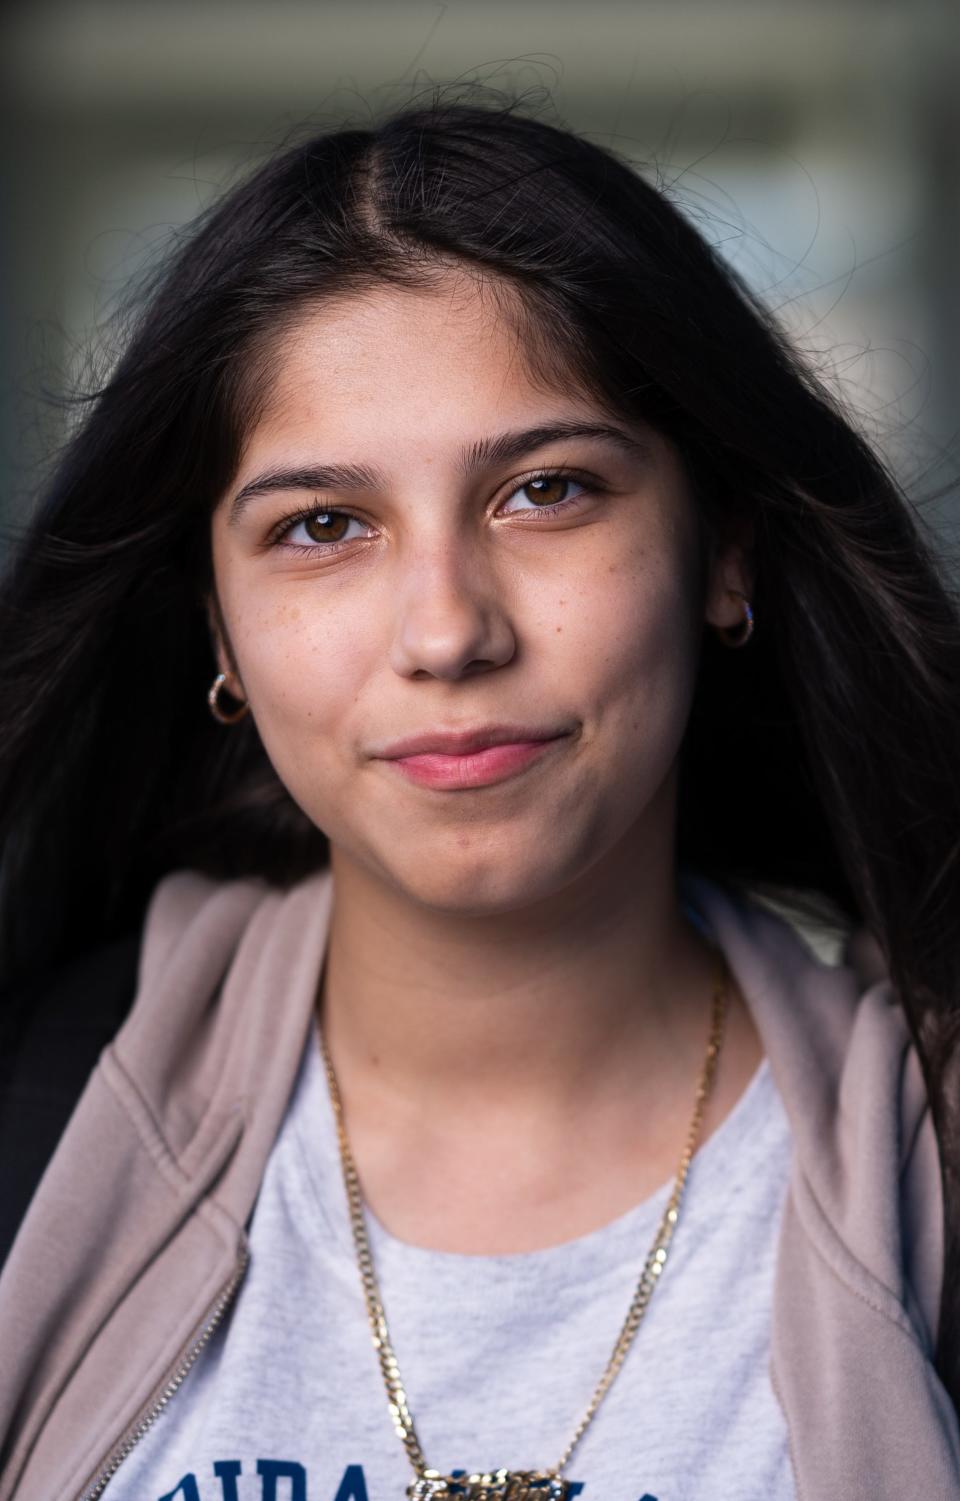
<point>455,761</point>
<point>476,768</point>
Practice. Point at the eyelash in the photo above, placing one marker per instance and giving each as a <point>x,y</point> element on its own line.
<point>287,523</point>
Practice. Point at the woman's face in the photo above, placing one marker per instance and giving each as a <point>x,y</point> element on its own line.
<point>472,550</point>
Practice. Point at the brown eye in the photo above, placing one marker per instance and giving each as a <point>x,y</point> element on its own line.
<point>547,489</point>
<point>326,526</point>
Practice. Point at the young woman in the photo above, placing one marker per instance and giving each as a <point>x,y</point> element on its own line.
<point>459,615</point>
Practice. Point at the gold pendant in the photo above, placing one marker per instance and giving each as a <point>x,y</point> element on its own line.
<point>499,1485</point>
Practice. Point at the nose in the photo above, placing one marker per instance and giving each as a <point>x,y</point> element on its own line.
<point>451,616</point>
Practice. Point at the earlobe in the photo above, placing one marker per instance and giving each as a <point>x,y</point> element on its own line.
<point>728,607</point>
<point>219,643</point>
<point>731,584</point>
<point>742,633</point>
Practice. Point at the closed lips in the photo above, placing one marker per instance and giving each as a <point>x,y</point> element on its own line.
<point>463,743</point>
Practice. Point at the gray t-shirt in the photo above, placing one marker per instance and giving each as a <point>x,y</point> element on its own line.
<point>500,1354</point>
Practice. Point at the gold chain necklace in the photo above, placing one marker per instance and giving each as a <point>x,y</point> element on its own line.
<point>515,1485</point>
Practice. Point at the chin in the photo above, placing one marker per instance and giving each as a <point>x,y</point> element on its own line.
<point>481,881</point>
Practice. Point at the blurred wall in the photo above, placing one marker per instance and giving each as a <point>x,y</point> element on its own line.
<point>818,144</point>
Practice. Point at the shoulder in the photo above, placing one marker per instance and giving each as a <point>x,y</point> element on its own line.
<point>190,906</point>
<point>866,1180</point>
<point>55,1027</point>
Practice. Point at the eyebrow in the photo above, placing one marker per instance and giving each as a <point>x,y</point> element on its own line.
<point>484,453</point>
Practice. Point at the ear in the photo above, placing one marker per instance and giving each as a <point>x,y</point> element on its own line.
<point>221,647</point>
<point>731,574</point>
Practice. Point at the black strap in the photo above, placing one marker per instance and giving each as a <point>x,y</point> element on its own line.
<point>54,1029</point>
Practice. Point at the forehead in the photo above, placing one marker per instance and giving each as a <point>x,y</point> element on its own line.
<point>457,354</point>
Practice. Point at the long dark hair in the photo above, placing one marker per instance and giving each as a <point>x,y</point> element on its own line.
<point>825,758</point>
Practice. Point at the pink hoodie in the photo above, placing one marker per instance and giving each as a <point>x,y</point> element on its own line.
<point>134,1242</point>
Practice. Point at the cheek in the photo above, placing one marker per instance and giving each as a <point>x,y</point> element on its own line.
<point>639,643</point>
<point>302,670</point>
<point>636,628</point>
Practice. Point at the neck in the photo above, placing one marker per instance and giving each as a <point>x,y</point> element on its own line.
<point>540,1005</point>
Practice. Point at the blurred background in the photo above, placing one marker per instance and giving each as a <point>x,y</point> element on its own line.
<point>818,145</point>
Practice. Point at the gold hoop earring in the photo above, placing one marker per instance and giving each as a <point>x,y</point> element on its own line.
<point>736,636</point>
<point>215,709</point>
